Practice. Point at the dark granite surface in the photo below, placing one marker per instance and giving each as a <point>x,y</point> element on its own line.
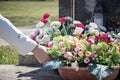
<point>64,8</point>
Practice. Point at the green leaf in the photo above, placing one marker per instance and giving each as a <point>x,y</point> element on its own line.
<point>88,47</point>
<point>105,46</point>
<point>67,44</point>
<point>94,47</point>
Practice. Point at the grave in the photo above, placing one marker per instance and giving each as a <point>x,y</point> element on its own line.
<point>83,10</point>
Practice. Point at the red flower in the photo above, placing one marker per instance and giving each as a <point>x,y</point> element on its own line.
<point>50,44</point>
<point>44,20</point>
<point>80,25</point>
<point>105,38</point>
<point>80,35</point>
<point>90,41</point>
<point>45,16</point>
<point>62,19</point>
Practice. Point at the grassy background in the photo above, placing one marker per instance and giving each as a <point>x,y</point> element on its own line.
<point>24,14</point>
<point>28,13</point>
<point>8,55</point>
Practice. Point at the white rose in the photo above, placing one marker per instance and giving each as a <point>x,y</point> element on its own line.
<point>39,24</point>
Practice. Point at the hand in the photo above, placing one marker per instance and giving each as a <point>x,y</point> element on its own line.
<point>40,53</point>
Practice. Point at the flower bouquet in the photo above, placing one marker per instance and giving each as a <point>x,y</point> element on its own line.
<point>74,45</point>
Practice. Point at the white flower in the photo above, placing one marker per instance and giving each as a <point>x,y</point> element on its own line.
<point>78,30</point>
<point>76,22</point>
<point>55,23</point>
<point>93,25</point>
<point>39,24</point>
<point>46,38</point>
<point>118,35</point>
<point>118,39</point>
<point>75,66</point>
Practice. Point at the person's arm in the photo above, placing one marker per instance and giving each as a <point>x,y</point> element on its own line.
<point>20,41</point>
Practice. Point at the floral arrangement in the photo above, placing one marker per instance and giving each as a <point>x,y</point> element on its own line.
<point>75,44</point>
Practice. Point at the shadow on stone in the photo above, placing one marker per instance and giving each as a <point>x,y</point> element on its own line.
<point>40,75</point>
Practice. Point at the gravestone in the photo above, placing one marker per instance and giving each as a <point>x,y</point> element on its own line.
<point>83,10</point>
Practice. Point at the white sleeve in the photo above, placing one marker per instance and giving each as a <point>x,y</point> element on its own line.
<point>15,37</point>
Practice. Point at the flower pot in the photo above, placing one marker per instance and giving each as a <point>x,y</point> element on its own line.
<point>67,73</point>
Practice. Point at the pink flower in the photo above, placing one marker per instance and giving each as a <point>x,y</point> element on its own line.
<point>62,19</point>
<point>86,60</point>
<point>90,40</point>
<point>44,20</point>
<point>61,44</point>
<point>33,36</point>
<point>69,56</point>
<point>94,54</point>
<point>77,48</point>
<point>97,37</point>
<point>50,44</point>
<point>105,38</point>
<point>119,49</point>
<point>45,16</point>
<point>80,25</point>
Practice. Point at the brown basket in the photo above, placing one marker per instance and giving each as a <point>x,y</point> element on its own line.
<point>67,73</point>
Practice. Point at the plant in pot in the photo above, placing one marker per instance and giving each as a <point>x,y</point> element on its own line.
<point>80,52</point>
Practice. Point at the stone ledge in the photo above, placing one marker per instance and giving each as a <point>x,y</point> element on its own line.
<point>28,60</point>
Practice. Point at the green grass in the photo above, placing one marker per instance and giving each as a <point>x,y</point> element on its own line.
<point>8,55</point>
<point>28,13</point>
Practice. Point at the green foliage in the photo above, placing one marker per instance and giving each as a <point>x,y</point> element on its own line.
<point>8,55</point>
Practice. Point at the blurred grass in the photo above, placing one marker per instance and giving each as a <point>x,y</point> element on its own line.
<point>25,13</point>
<point>8,55</point>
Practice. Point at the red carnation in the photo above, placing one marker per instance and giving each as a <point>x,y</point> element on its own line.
<point>62,19</point>
<point>80,25</point>
<point>46,15</point>
<point>44,20</point>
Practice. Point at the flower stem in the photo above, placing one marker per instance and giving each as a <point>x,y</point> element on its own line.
<point>64,29</point>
